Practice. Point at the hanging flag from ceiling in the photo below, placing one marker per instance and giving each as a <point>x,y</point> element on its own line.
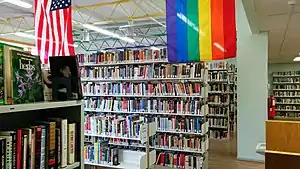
<point>53,28</point>
<point>201,30</point>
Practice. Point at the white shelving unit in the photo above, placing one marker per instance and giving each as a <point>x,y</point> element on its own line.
<point>203,134</point>
<point>286,90</point>
<point>22,115</point>
<point>219,100</point>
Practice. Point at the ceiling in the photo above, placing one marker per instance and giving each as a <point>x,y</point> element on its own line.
<point>147,20</point>
<point>145,17</point>
<point>282,21</point>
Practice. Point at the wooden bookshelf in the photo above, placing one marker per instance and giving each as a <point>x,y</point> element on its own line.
<point>157,76</point>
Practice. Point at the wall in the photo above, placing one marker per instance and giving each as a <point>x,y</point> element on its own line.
<point>252,64</point>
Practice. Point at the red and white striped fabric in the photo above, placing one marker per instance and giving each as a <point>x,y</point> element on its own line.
<point>53,28</point>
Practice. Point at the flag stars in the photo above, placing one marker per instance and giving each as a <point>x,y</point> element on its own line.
<point>60,4</point>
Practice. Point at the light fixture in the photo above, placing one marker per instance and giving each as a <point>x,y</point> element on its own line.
<point>109,33</point>
<point>17,44</point>
<point>19,3</point>
<point>25,35</point>
<point>297,59</point>
<point>154,48</point>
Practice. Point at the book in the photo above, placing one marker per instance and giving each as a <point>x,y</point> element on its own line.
<point>57,148</point>
<point>1,74</point>
<point>23,79</point>
<point>71,143</point>
<point>38,146</point>
<point>24,150</point>
<point>62,125</point>
<point>43,161</point>
<point>3,153</point>
<point>8,145</point>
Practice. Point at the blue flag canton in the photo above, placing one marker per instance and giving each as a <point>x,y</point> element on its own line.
<point>60,4</point>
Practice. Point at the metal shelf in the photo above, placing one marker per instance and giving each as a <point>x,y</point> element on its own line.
<point>124,63</point>
<point>144,96</point>
<point>150,113</point>
<point>141,80</point>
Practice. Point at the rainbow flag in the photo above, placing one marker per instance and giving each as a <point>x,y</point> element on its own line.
<point>201,30</point>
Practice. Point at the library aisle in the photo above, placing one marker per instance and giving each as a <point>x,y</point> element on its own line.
<point>222,155</point>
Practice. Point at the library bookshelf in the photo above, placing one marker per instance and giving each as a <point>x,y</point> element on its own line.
<point>286,90</point>
<point>24,117</point>
<point>233,98</point>
<point>219,100</point>
<point>142,84</point>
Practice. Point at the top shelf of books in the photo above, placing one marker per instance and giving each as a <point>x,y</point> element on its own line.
<point>38,106</point>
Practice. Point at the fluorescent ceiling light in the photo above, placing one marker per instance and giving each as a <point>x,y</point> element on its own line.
<point>19,3</point>
<point>16,44</point>
<point>154,48</point>
<point>25,35</point>
<point>297,59</point>
<point>109,33</point>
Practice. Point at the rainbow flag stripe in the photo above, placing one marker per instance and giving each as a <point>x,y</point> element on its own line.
<point>201,30</point>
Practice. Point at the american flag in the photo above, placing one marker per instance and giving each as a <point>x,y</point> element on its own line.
<point>53,28</point>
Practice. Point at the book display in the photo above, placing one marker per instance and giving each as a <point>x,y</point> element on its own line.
<point>218,100</point>
<point>286,90</point>
<point>124,89</point>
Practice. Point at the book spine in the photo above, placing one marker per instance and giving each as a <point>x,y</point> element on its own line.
<point>51,146</point>
<point>71,143</point>
<point>43,148</point>
<point>38,139</point>
<point>57,148</point>
<point>19,150</point>
<point>8,152</point>
<point>3,153</point>
<point>32,151</point>
<point>64,141</point>
<point>25,143</point>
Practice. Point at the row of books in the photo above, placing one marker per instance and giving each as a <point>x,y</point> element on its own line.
<point>218,98</point>
<point>195,70</point>
<point>218,76</point>
<point>193,143</point>
<point>113,125</point>
<point>288,100</point>
<point>287,93</point>
<point>48,144</point>
<point>181,160</point>
<point>193,125</point>
<point>218,122</point>
<point>218,87</point>
<point>288,87</point>
<point>123,56</point>
<point>288,73</point>
<point>146,105</point>
<point>101,153</point>
<point>159,89</point>
<point>287,107</point>
<point>289,80</point>
<point>218,65</point>
<point>218,111</point>
<point>217,134</point>
<point>288,114</point>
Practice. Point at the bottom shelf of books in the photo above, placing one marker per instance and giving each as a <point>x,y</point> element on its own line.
<point>41,138</point>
